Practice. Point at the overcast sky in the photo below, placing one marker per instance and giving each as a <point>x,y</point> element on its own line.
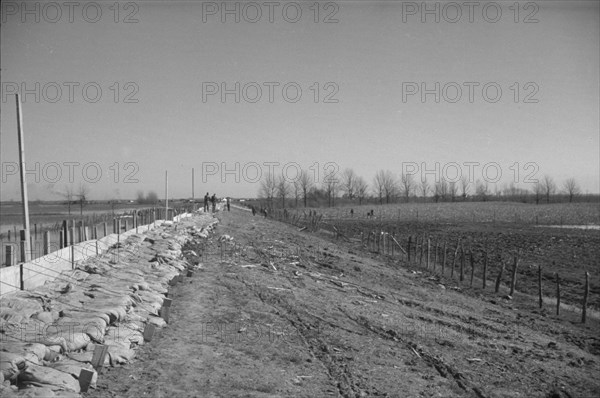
<point>361,69</point>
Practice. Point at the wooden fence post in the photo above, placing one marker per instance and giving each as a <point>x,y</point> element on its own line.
<point>65,234</point>
<point>428,253</point>
<point>23,257</point>
<point>11,256</point>
<point>46,242</point>
<point>472,266</point>
<point>586,293</point>
<point>454,258</point>
<point>485,265</point>
<point>444,255</point>
<point>421,251</point>
<point>499,278</point>
<point>72,235</point>
<point>557,294</point>
<point>513,279</point>
<point>540,300</point>
<point>462,263</point>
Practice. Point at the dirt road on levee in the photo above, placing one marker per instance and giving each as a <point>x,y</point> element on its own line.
<point>277,312</point>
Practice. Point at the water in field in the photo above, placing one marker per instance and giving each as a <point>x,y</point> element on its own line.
<point>595,227</point>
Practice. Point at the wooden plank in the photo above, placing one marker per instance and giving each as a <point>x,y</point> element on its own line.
<point>99,356</point>
<point>149,332</point>
<point>85,379</point>
<point>164,313</point>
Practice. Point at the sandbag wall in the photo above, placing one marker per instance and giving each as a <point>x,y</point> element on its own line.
<point>36,272</point>
<point>50,333</point>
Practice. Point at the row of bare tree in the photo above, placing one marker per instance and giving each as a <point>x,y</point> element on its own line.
<point>387,187</point>
<point>77,195</point>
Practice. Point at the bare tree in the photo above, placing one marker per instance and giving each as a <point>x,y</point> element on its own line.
<point>361,189</point>
<point>283,190</point>
<point>268,188</point>
<point>511,190</point>
<point>140,197</point>
<point>151,197</point>
<point>571,188</point>
<point>297,190</point>
<point>538,190</point>
<point>424,188</point>
<point>549,187</point>
<point>407,185</point>
<point>348,181</point>
<point>464,187</point>
<point>440,190</point>
<point>330,183</point>
<point>306,183</point>
<point>482,189</point>
<point>453,190</point>
<point>390,187</point>
<point>379,185</point>
<point>82,194</point>
<point>68,193</point>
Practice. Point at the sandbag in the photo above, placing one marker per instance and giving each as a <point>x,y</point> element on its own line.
<point>55,379</point>
<point>73,368</point>
<point>11,365</point>
<point>46,316</point>
<point>22,303</point>
<point>119,355</point>
<point>32,389</point>
<point>85,357</point>
<point>157,321</point>
<point>76,341</point>
<point>38,350</point>
<point>93,326</point>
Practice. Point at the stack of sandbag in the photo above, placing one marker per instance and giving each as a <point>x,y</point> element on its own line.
<point>49,334</point>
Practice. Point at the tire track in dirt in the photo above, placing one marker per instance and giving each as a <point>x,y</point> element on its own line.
<point>440,365</point>
<point>318,347</point>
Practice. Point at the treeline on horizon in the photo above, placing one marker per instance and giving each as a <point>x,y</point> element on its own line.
<point>348,188</point>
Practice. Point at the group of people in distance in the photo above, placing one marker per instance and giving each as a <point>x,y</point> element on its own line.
<point>263,211</point>
<point>213,202</point>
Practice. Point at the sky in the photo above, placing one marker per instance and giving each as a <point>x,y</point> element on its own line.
<point>115,96</point>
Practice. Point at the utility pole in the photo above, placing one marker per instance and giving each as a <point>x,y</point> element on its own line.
<point>24,199</point>
<point>166,195</point>
<point>192,184</point>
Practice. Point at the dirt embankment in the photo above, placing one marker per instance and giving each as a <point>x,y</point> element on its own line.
<point>275,312</point>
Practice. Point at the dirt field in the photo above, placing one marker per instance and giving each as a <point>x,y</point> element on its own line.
<point>282,313</point>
